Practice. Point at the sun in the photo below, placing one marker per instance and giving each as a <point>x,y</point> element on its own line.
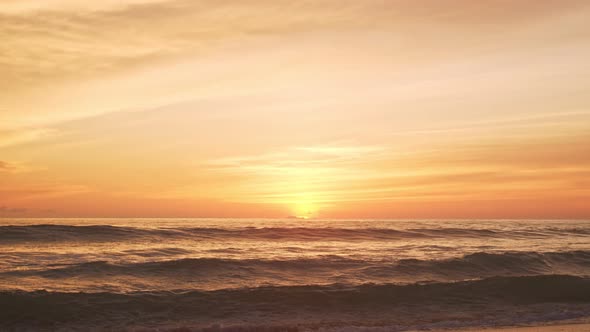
<point>304,208</point>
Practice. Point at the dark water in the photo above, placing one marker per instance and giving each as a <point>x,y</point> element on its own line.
<point>222,274</point>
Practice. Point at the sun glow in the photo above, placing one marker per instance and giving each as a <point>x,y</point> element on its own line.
<point>304,207</point>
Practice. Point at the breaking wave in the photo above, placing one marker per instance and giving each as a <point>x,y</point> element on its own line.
<point>56,233</point>
<point>546,297</point>
<point>210,273</point>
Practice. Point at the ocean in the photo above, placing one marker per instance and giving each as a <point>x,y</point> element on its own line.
<point>290,274</point>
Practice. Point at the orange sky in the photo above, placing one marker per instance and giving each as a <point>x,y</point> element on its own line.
<point>265,108</point>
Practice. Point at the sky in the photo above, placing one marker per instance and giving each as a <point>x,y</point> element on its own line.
<point>266,108</point>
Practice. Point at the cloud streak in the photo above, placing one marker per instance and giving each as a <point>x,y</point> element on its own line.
<point>49,45</point>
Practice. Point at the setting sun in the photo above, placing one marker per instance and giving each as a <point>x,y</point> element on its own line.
<point>304,207</point>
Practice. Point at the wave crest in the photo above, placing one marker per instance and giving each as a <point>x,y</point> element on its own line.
<point>212,273</point>
<point>56,233</point>
<point>502,298</point>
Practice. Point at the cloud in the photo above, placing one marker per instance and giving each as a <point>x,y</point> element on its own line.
<point>26,6</point>
<point>54,41</point>
<point>12,210</point>
<point>63,60</point>
<point>57,43</point>
<point>18,136</point>
<point>517,167</point>
<point>12,167</point>
<point>21,191</point>
<point>21,212</point>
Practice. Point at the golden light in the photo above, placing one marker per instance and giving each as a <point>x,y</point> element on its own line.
<point>304,207</point>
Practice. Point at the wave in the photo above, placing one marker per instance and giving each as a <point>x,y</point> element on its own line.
<point>212,273</point>
<point>484,264</point>
<point>492,301</point>
<point>56,233</point>
<point>49,233</point>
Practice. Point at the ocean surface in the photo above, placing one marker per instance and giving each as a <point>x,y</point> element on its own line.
<point>290,274</point>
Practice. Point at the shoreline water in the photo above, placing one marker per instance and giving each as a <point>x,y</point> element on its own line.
<point>573,326</point>
<point>289,275</point>
<point>490,302</point>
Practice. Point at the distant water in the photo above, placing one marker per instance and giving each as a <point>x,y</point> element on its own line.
<point>295,275</point>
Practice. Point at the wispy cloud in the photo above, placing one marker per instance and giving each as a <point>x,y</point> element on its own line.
<point>16,136</point>
<point>518,168</point>
<point>13,167</point>
<point>12,210</point>
<point>45,44</point>
<point>25,191</point>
